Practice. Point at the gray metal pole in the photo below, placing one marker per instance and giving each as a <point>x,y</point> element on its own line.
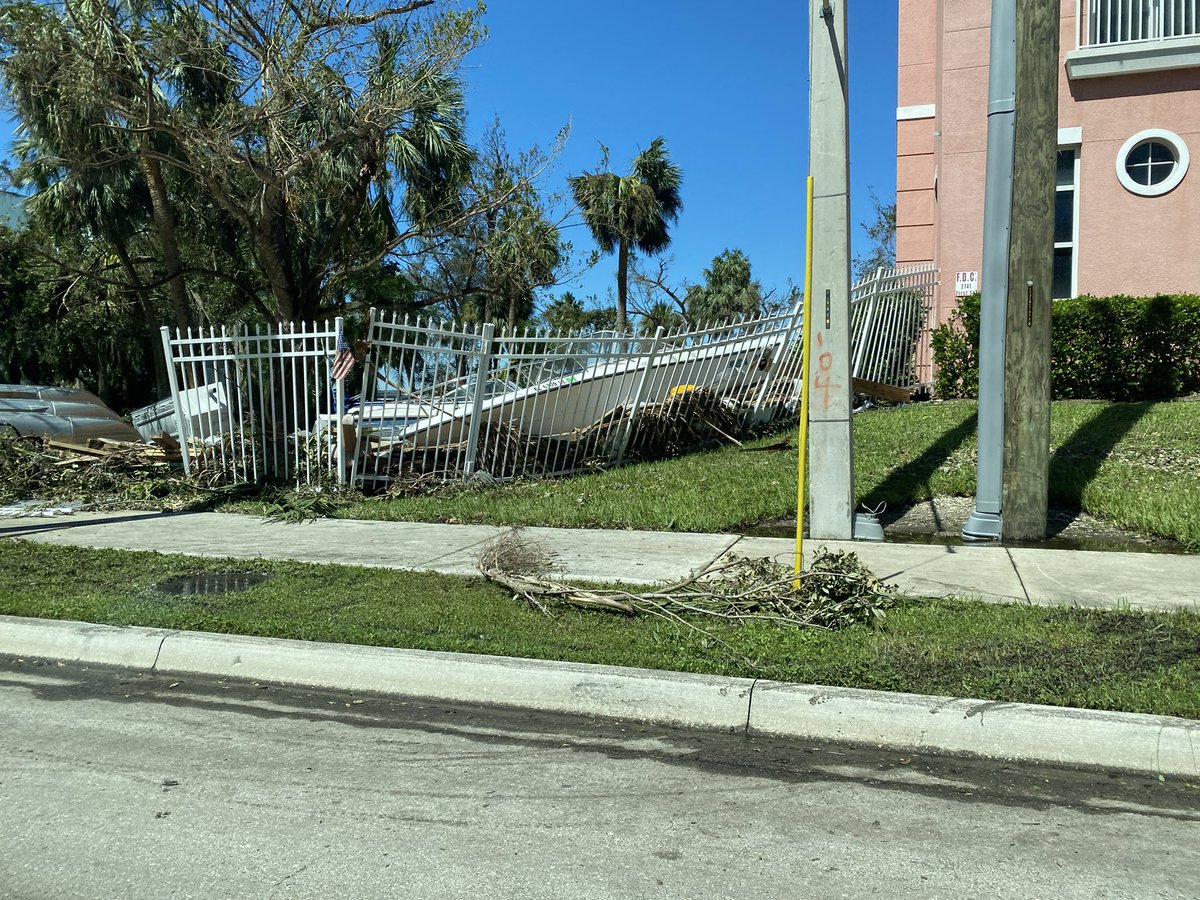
<point>830,443</point>
<point>984,523</point>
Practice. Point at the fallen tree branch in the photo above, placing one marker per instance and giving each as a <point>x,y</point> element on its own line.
<point>837,590</point>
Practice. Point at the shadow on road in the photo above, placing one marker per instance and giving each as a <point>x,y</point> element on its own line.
<point>35,525</point>
<point>782,760</point>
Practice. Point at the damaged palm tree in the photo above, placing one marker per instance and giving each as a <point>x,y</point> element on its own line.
<point>836,591</point>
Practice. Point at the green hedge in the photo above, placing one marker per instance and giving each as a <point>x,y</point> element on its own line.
<point>1101,348</point>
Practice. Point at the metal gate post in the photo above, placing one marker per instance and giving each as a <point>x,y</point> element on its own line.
<point>368,385</point>
<point>339,407</point>
<point>174,383</point>
<point>482,368</point>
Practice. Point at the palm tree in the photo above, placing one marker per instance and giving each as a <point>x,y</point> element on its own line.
<point>631,212</point>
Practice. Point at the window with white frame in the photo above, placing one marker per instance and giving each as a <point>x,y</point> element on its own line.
<point>1066,222</point>
<point>1152,162</point>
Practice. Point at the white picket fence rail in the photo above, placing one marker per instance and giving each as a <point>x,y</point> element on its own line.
<point>443,402</point>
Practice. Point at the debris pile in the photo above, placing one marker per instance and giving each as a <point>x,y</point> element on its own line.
<point>836,591</point>
<point>98,468</point>
<point>687,421</point>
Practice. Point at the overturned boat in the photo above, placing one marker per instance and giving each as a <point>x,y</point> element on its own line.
<point>543,389</point>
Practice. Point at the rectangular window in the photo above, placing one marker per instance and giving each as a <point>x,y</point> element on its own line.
<point>1066,222</point>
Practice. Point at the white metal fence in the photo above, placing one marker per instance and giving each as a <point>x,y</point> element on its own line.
<point>258,404</point>
<point>441,402</point>
<point>890,320</point>
<point>1103,22</point>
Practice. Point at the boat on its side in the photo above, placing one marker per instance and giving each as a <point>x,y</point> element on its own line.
<point>573,399</point>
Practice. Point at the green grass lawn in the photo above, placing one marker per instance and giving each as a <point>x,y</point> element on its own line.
<point>1136,465</point>
<point>1138,662</point>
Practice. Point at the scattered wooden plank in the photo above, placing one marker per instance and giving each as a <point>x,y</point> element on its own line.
<point>882,391</point>
<point>79,448</point>
<point>775,445</point>
<point>73,460</point>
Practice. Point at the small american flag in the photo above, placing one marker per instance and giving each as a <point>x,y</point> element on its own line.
<point>343,362</point>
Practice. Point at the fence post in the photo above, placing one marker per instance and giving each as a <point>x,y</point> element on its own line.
<point>868,321</point>
<point>368,393</point>
<point>339,407</point>
<point>638,394</point>
<point>174,383</point>
<point>482,367</point>
<point>923,370</point>
<point>797,312</point>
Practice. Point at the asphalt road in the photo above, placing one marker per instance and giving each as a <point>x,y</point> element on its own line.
<point>115,784</point>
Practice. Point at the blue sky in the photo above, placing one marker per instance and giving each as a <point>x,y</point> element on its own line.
<point>725,83</point>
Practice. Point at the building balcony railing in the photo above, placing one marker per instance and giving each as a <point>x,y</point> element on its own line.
<point>1108,22</point>
<point>1126,37</point>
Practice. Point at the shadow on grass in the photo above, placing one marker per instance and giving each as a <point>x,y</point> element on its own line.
<point>1076,463</point>
<point>912,479</point>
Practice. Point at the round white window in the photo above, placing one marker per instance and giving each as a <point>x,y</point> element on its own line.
<point>1152,162</point>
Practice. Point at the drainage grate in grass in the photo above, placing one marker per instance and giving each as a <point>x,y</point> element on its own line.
<point>209,583</point>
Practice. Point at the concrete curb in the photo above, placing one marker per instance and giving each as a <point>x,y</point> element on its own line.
<point>107,645</point>
<point>903,722</point>
<point>669,698</point>
<point>988,728</point>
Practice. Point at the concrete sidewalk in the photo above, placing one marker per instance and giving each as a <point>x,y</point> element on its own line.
<point>1069,577</point>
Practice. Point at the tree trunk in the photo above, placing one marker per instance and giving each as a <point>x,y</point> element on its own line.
<point>162,385</point>
<point>622,285</point>
<point>164,224</point>
<point>270,243</point>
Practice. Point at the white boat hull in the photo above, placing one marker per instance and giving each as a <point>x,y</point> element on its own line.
<point>564,406</point>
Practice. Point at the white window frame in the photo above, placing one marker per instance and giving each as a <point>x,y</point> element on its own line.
<point>1073,244</point>
<point>1162,136</point>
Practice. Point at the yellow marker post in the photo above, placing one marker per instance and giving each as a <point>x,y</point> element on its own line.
<point>805,331</point>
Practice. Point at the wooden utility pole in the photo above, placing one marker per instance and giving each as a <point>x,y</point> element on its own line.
<point>1030,274</point>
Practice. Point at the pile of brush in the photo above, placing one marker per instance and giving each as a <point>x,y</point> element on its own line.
<point>836,591</point>
<point>53,469</point>
<point>687,421</point>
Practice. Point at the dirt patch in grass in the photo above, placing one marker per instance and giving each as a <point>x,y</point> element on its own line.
<point>942,519</point>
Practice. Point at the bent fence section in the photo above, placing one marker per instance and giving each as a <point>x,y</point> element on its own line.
<point>256,404</point>
<point>891,314</point>
<point>441,402</point>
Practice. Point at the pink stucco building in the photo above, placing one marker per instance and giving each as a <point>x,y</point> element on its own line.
<point>1128,207</point>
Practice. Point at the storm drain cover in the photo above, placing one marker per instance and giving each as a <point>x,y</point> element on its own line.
<point>210,583</point>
